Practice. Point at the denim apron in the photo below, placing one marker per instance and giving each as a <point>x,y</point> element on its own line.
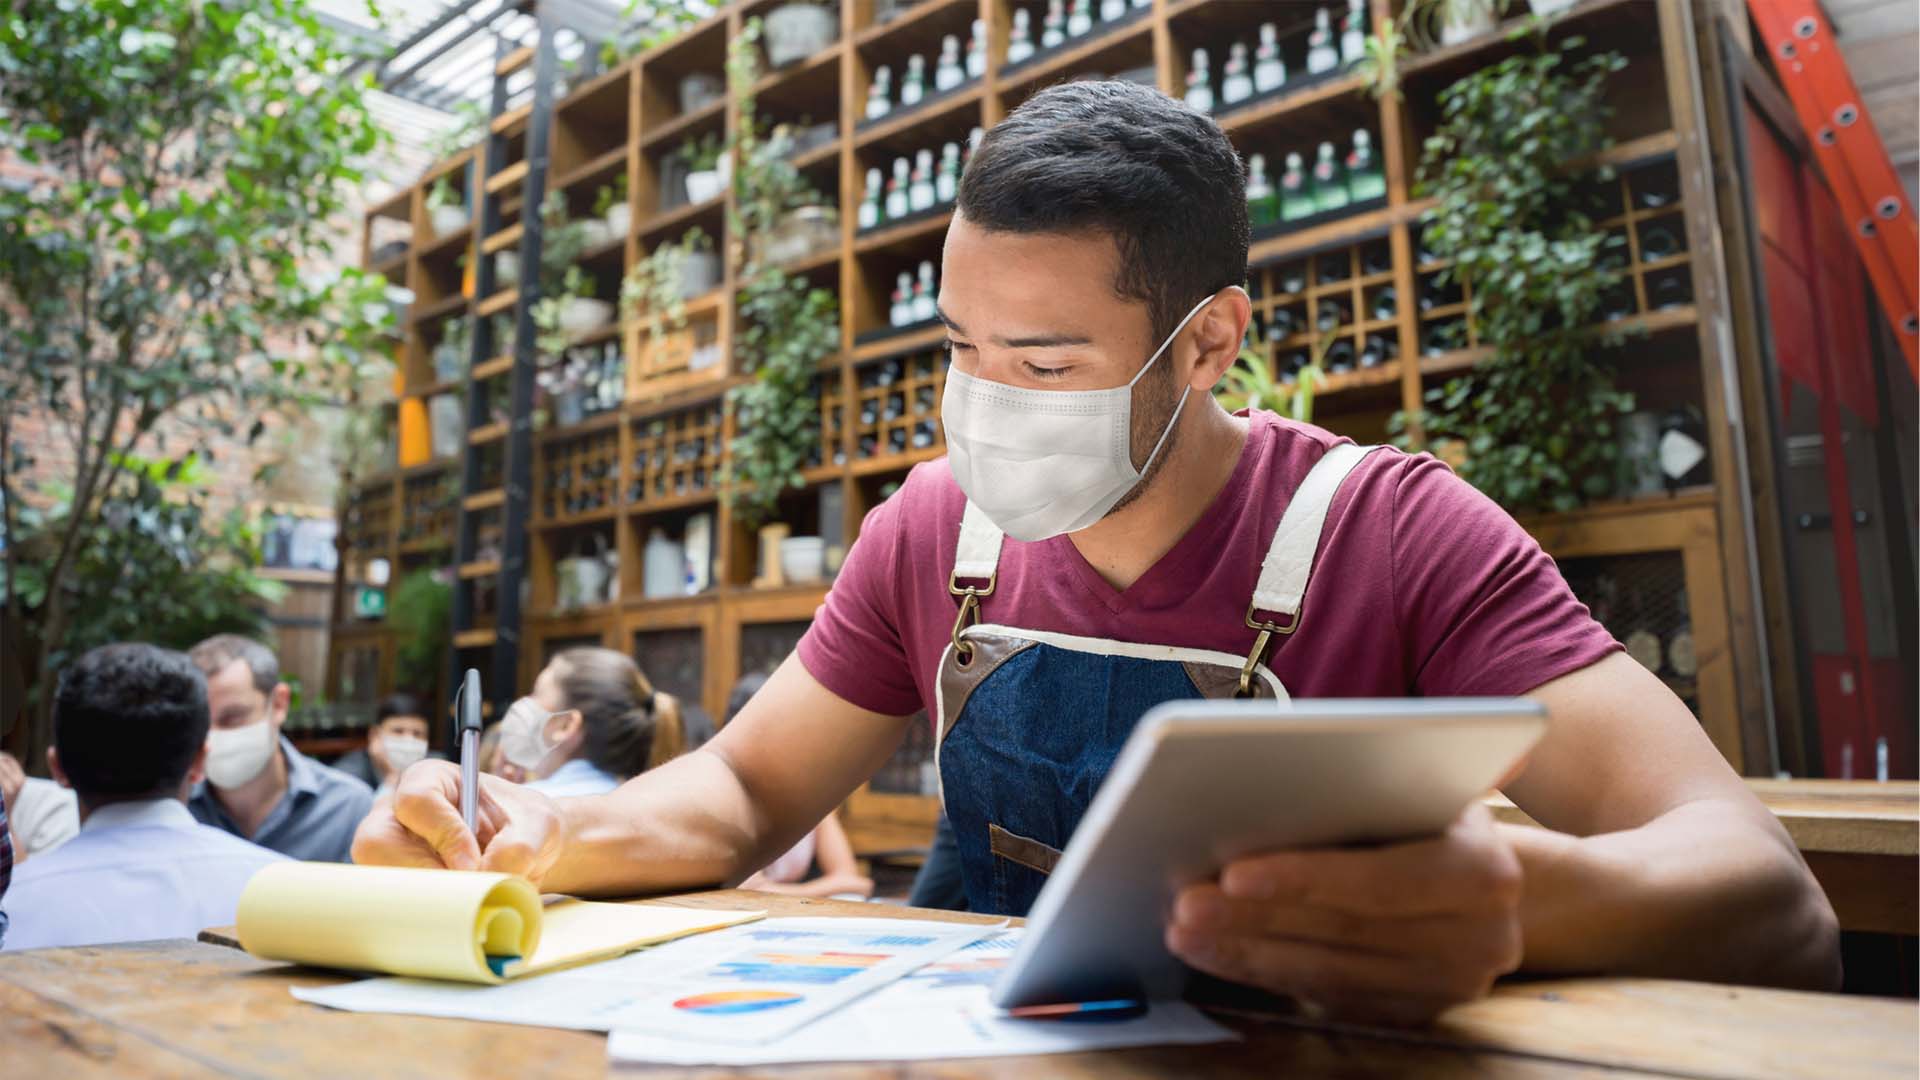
<point>1030,721</point>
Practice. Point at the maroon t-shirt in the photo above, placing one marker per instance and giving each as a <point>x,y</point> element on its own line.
<point>1421,586</point>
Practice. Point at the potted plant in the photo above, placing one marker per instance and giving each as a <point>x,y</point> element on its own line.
<point>699,270</point>
<point>569,314</point>
<point>446,214</point>
<point>1534,421</point>
<point>797,30</point>
<point>610,205</point>
<point>564,385</point>
<point>704,178</point>
<point>1450,22</point>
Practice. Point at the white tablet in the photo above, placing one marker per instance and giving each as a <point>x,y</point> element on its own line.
<point>1201,783</point>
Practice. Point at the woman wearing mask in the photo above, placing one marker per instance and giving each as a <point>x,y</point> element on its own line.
<point>592,721</point>
<point>398,739</point>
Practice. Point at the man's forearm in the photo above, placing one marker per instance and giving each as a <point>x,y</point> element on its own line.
<point>687,824</point>
<point>1702,892</point>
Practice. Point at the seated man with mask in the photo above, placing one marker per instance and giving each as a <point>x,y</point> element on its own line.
<point>258,786</point>
<point>398,739</point>
<point>130,737</point>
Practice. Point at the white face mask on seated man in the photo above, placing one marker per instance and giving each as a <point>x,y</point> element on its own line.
<point>237,755</point>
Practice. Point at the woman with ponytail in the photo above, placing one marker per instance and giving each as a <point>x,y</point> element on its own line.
<point>591,722</point>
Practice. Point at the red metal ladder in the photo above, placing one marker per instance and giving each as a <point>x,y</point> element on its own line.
<point>1848,148</point>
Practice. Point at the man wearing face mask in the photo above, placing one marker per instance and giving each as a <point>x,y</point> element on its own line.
<point>398,739</point>
<point>1105,537</point>
<point>258,787</point>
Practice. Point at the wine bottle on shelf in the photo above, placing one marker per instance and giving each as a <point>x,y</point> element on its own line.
<point>923,435</point>
<point>1334,266</point>
<point>948,73</point>
<point>1340,357</point>
<point>977,50</point>
<point>1386,303</point>
<point>1329,186</point>
<point>1112,10</point>
<point>1080,22</point>
<point>1262,204</point>
<point>1053,28</point>
<point>1681,658</point>
<point>1282,324</point>
<point>914,86</point>
<point>1289,366</point>
<point>1379,349</point>
<point>1330,315</point>
<point>1199,88</point>
<point>1296,196</point>
<point>1657,242</point>
<point>1683,449</point>
<point>880,94</point>
<point>1236,85</point>
<point>870,201</point>
<point>902,312</point>
<point>1321,54</point>
<point>897,198</point>
<point>1020,38</point>
<point>920,189</point>
<point>1655,188</point>
<point>924,307</point>
<point>1442,337</point>
<point>946,182</point>
<point>1291,279</point>
<point>1669,289</point>
<point>1269,67</point>
<point>1353,33</point>
<point>1364,178</point>
<point>1617,302</point>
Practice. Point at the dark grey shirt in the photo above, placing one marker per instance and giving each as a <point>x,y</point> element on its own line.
<point>314,821</point>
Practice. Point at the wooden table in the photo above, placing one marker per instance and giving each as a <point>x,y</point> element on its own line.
<point>1860,838</point>
<point>185,1008</point>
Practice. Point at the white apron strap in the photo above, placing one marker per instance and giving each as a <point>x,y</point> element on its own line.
<point>1283,576</point>
<point>978,557</point>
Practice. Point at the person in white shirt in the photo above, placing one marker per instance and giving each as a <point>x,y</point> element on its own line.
<point>592,721</point>
<point>41,814</point>
<point>130,738</point>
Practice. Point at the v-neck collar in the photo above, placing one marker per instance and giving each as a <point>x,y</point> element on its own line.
<point>1201,540</point>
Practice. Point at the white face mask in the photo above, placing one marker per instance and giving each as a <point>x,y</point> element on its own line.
<point>237,755</point>
<point>523,734</point>
<point>1040,463</point>
<point>402,750</point>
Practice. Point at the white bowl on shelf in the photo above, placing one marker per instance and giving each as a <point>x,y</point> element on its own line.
<point>619,220</point>
<point>803,559</point>
<point>447,220</point>
<point>704,184</point>
<point>583,315</point>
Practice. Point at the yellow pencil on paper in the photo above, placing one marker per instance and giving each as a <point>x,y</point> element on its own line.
<point>444,924</point>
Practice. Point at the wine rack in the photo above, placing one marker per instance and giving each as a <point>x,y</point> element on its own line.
<point>676,455</point>
<point>897,406</point>
<point>578,476</point>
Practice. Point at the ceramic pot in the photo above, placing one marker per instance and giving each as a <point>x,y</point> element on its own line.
<point>447,220</point>
<point>797,31</point>
<point>704,184</point>
<point>619,219</point>
<point>594,232</point>
<point>699,273</point>
<point>700,89</point>
<point>1552,7</point>
<point>583,315</point>
<point>803,558</point>
<point>1464,20</point>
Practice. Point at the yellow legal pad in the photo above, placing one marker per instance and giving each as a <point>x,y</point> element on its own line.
<point>444,924</point>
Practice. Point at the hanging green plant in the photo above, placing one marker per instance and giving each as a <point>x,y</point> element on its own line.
<point>785,328</point>
<point>654,290</point>
<point>420,615</point>
<point>1535,419</point>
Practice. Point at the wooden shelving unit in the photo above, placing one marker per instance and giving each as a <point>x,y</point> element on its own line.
<point>629,122</point>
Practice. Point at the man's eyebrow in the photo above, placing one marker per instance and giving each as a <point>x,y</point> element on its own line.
<point>1038,341</point>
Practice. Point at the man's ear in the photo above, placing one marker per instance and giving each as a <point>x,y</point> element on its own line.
<point>197,771</point>
<point>54,770</point>
<point>280,700</point>
<point>1218,333</point>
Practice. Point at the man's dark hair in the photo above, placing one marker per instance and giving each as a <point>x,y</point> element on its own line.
<point>397,705</point>
<point>1122,159</point>
<point>128,720</point>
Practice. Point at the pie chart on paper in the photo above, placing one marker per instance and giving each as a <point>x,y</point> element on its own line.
<point>734,1002</point>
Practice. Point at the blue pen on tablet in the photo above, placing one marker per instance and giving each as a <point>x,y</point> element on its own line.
<point>1112,1009</point>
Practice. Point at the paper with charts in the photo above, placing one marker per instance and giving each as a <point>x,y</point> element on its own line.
<point>743,985</point>
<point>939,1011</point>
